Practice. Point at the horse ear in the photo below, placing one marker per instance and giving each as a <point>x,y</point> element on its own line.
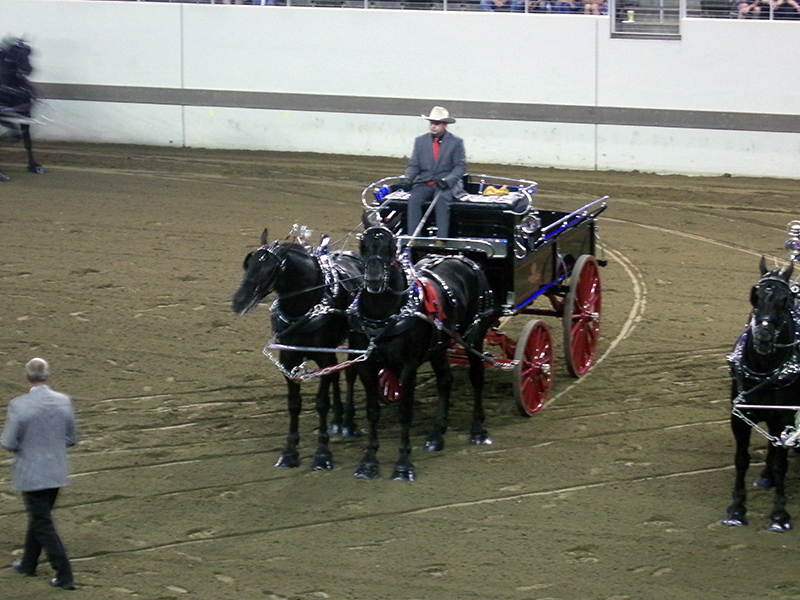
<point>762,265</point>
<point>264,237</point>
<point>246,262</point>
<point>753,299</point>
<point>787,272</point>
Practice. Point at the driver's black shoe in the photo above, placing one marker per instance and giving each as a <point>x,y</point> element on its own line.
<point>17,566</point>
<point>64,585</point>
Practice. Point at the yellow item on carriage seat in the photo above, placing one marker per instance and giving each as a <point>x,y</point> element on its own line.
<point>493,191</point>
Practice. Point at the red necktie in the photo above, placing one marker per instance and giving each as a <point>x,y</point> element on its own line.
<point>436,142</point>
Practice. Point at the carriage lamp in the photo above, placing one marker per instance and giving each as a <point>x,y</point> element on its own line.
<point>793,243</point>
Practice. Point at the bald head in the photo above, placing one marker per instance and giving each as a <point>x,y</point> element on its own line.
<point>37,370</point>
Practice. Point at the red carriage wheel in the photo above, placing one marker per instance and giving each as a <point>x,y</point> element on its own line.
<point>533,373</point>
<point>581,317</point>
<point>391,389</point>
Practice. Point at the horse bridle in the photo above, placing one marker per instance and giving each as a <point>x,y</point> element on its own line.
<point>384,280</point>
<point>787,317</point>
<point>269,251</point>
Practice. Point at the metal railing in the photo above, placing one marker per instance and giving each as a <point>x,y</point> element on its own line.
<point>630,15</point>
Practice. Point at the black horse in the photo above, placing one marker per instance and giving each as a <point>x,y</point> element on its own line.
<point>404,317</point>
<point>17,96</point>
<point>764,365</point>
<point>314,289</point>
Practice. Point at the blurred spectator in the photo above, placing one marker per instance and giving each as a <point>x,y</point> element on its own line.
<point>749,9</point>
<point>786,9</point>
<point>512,5</point>
<point>554,6</point>
<point>594,7</point>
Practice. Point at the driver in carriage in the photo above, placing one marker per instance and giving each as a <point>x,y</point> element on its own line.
<point>436,170</point>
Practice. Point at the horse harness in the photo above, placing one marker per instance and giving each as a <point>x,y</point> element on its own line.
<point>332,284</point>
<point>423,302</point>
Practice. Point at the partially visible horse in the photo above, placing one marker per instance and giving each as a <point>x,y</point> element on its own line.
<point>404,317</point>
<point>314,287</point>
<point>765,364</point>
<point>17,96</point>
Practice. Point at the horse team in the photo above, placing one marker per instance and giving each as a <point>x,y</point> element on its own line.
<point>395,316</point>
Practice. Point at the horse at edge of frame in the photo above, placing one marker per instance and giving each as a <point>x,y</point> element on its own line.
<point>764,368</point>
<point>17,97</point>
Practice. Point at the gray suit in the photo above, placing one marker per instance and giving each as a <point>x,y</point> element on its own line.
<point>450,166</point>
<point>39,429</point>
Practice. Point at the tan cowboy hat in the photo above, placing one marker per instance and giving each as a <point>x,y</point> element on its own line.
<point>439,114</point>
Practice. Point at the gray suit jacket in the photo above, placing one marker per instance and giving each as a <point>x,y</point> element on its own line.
<point>451,166</point>
<point>39,429</point>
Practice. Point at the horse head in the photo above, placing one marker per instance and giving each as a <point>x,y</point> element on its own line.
<point>377,249</point>
<point>285,267</point>
<point>261,270</point>
<point>16,53</point>
<point>771,318</point>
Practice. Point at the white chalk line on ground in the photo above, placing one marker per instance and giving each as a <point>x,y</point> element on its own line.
<point>634,315</point>
<point>640,288</point>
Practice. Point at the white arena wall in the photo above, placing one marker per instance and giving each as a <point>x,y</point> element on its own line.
<point>543,90</point>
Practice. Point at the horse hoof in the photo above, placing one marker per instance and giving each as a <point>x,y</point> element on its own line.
<point>764,483</point>
<point>403,473</point>
<point>288,461</point>
<point>38,169</point>
<point>734,522</point>
<point>481,439</point>
<point>351,432</point>
<point>366,472</point>
<point>345,432</point>
<point>4,177</point>
<point>779,526</point>
<point>322,463</point>
<point>434,445</point>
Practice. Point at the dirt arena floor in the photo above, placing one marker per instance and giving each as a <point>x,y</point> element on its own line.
<point>118,266</point>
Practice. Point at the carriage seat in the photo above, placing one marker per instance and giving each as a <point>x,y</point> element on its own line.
<point>472,215</point>
<point>514,201</point>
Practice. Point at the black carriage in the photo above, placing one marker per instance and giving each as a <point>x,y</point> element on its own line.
<point>526,253</point>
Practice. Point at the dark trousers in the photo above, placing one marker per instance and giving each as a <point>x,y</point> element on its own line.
<point>42,534</point>
<point>421,194</point>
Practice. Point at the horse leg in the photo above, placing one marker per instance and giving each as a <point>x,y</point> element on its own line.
<point>766,479</point>
<point>3,176</point>
<point>323,459</point>
<point>478,435</point>
<point>290,457</point>
<point>335,426</point>
<point>737,511</point>
<point>777,459</point>
<point>33,166</point>
<point>444,385</point>
<point>369,468</point>
<point>404,468</point>
<point>349,427</point>
<point>343,419</point>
